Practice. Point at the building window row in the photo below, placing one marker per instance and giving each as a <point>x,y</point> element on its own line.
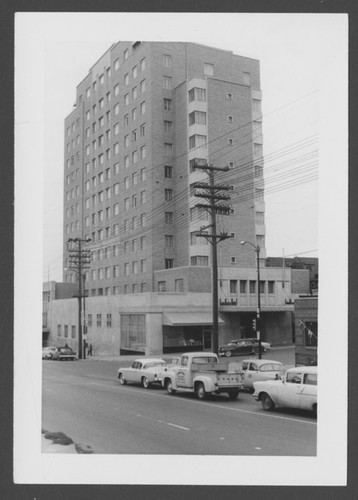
<point>251,287</point>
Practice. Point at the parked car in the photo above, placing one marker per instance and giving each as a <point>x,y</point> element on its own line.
<point>145,371</point>
<point>261,369</point>
<point>265,346</point>
<point>47,352</point>
<point>64,354</point>
<point>173,361</point>
<point>297,389</point>
<point>237,348</point>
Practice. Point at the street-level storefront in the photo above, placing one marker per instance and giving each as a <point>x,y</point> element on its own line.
<point>185,332</point>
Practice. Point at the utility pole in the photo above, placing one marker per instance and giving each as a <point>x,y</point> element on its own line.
<point>79,258</point>
<point>210,192</point>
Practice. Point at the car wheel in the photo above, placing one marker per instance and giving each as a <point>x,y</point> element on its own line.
<point>145,382</point>
<point>200,391</point>
<point>233,394</point>
<point>169,386</point>
<point>122,379</point>
<point>228,354</point>
<point>267,403</point>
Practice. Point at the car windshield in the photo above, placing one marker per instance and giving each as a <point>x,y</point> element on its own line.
<point>271,367</point>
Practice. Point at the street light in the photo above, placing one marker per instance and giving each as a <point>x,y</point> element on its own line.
<point>258,312</point>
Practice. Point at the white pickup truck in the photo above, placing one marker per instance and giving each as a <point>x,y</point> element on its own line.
<point>202,373</point>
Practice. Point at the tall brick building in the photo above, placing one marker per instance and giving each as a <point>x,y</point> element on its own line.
<point>143,113</point>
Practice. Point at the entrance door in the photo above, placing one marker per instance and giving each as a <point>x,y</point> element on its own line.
<point>208,342</point>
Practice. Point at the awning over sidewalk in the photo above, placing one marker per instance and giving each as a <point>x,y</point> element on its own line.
<point>188,318</point>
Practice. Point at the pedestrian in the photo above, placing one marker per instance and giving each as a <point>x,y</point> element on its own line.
<point>90,350</point>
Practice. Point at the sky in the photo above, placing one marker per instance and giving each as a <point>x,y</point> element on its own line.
<point>296,54</point>
<point>304,81</point>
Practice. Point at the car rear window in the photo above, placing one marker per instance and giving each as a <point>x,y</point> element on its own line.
<point>310,378</point>
<point>204,360</point>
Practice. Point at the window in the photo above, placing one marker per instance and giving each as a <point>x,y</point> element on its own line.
<point>115,229</point>
<point>126,79</point>
<point>99,319</point>
<point>143,197</point>
<point>208,69</point>
<point>134,114</point>
<point>232,260</point>
<point>259,194</point>
<point>252,286</point>
<point>256,106</point>
<point>116,64</point>
<point>126,289</point>
<point>168,171</point>
<point>143,220</point>
<point>126,269</point>
<point>101,103</point>
<point>135,267</point>
<point>199,260</point>
<point>258,150</point>
<point>116,90</point>
<point>142,65</point>
<point>197,94</point>
<point>143,243</point>
<point>167,104</point>
<point>116,148</point>
<point>116,209</point>
<point>142,86</point>
<point>116,188</point>
<point>143,152</point>
<point>168,149</point>
<point>126,183</point>
<point>134,222</point>
<point>109,320</point>
<point>135,157</point>
<point>126,99</point>
<point>126,141</point>
<point>243,284</point>
<point>108,97</point>
<point>168,194</point>
<point>167,82</point>
<point>142,108</point>
<point>169,217</point>
<point>134,93</point>
<point>259,217</point>
<point>161,286</point>
<point>116,290</point>
<point>233,287</point>
<point>115,250</point>
<point>126,204</point>
<point>88,115</point>
<point>134,245</point>
<point>134,135</point>
<point>142,130</point>
<point>134,200</point>
<point>126,225</point>
<point>116,168</point>
<point>66,331</point>
<point>196,141</point>
<point>126,120</point>
<point>143,266</point>
<point>198,117</point>
<point>169,263</point>
<point>246,78</point>
<point>260,240</point>
<point>126,161</point>
<point>169,241</point>
<point>143,174</point>
<point>134,72</point>
<point>88,92</point>
<point>125,54</point>
<point>259,171</point>
<point>271,287</point>
<point>179,285</point>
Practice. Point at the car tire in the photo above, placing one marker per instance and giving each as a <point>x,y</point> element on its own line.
<point>267,403</point>
<point>228,354</point>
<point>200,392</point>
<point>122,380</point>
<point>145,382</point>
<point>233,394</point>
<point>169,387</point>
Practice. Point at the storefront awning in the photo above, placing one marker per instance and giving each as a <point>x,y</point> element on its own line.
<point>188,318</point>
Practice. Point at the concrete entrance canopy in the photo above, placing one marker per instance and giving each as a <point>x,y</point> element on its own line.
<point>188,318</point>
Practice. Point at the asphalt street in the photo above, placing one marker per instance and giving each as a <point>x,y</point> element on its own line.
<point>84,400</point>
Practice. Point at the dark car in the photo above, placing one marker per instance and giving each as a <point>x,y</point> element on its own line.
<point>265,346</point>
<point>236,348</point>
<point>64,354</point>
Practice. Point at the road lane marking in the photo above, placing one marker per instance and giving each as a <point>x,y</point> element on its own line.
<point>163,422</point>
<point>179,426</point>
<point>161,395</point>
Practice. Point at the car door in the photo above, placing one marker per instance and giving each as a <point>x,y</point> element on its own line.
<point>289,392</point>
<point>131,373</point>
<point>250,374</point>
<point>308,396</point>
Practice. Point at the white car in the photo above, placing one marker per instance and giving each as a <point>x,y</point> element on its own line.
<point>297,389</point>
<point>47,352</point>
<point>145,371</point>
<point>255,370</point>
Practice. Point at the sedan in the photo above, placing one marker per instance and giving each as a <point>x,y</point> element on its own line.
<point>265,346</point>
<point>145,371</point>
<point>255,370</point>
<point>47,352</point>
<point>64,354</point>
<point>237,348</point>
<point>297,389</point>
